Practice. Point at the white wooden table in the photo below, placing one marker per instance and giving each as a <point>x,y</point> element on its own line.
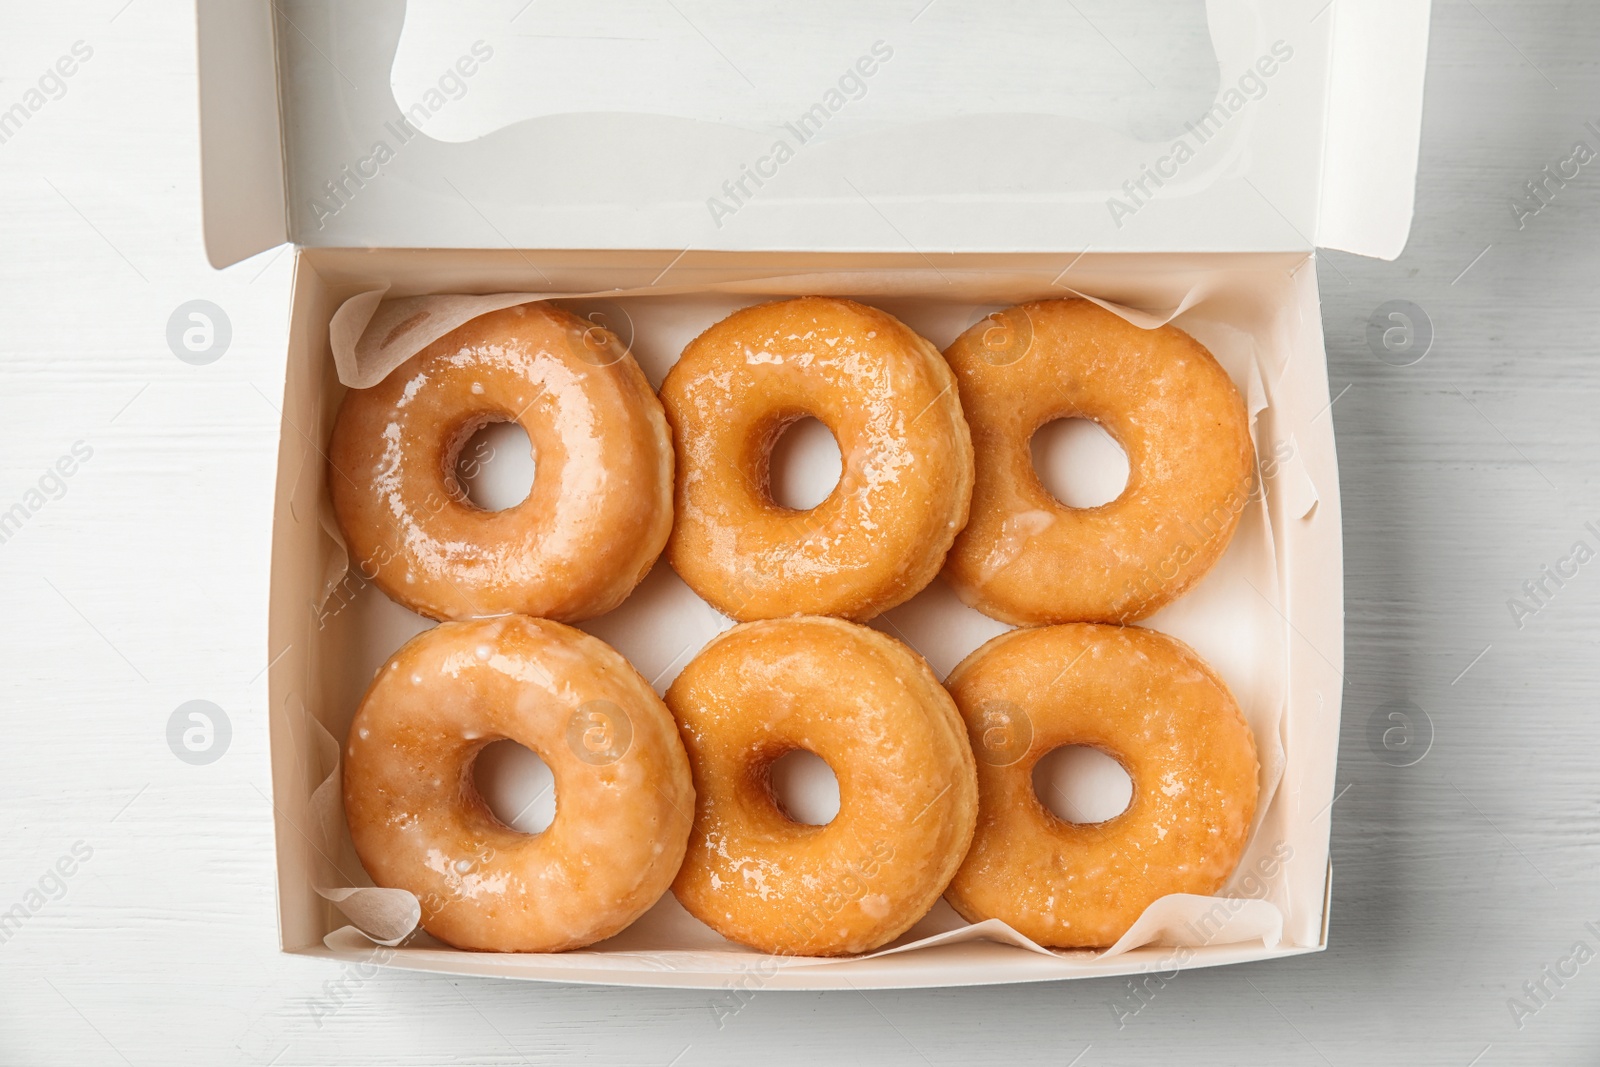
<point>137,582</point>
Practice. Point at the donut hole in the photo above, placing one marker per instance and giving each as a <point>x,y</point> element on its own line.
<point>805,787</point>
<point>494,467</point>
<point>516,785</point>
<point>1080,784</point>
<point>1079,463</point>
<point>804,466</point>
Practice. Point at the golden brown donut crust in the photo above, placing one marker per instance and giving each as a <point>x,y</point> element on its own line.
<point>1026,558</point>
<point>1150,702</point>
<point>600,508</point>
<point>891,403</point>
<point>874,712</point>
<point>624,799</point>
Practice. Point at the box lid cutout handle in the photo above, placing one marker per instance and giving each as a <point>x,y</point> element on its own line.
<point>1379,56</point>
<point>241,142</point>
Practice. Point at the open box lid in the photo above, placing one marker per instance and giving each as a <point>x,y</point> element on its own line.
<point>1205,125</point>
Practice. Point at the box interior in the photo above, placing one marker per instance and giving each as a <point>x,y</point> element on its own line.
<point>1261,305</point>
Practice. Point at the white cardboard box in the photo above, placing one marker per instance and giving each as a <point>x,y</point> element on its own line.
<point>913,201</point>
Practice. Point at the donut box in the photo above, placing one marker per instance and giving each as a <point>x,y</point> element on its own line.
<point>447,150</point>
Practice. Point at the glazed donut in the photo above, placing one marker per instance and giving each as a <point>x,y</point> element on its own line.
<point>600,507</point>
<point>906,471</point>
<point>1150,702</point>
<point>907,793</point>
<point>1025,558</point>
<point>624,800</point>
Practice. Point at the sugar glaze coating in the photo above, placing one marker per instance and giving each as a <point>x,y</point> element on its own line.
<point>891,403</point>
<point>1149,701</point>
<point>875,713</point>
<point>600,507</point>
<point>1026,558</point>
<point>624,798</point>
